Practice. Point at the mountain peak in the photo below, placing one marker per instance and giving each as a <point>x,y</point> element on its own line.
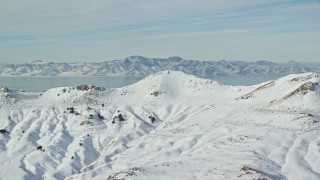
<point>175,58</point>
<point>136,57</point>
<point>293,62</point>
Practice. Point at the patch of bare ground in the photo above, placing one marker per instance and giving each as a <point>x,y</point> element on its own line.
<point>250,170</point>
<point>124,173</point>
<point>250,94</point>
<point>303,89</point>
<point>303,78</point>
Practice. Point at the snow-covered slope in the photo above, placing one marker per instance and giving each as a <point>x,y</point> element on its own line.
<point>168,126</point>
<point>142,66</point>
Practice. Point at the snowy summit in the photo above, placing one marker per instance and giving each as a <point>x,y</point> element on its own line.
<point>167,126</point>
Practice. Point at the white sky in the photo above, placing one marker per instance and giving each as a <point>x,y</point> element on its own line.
<point>83,30</point>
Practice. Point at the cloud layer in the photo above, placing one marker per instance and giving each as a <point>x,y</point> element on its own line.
<point>81,30</point>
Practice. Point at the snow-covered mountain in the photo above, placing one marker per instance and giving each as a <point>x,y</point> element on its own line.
<point>141,66</point>
<point>167,126</point>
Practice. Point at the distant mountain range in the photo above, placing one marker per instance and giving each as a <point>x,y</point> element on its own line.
<point>142,66</point>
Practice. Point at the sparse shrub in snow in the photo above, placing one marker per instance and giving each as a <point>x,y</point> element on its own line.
<point>85,122</point>
<point>90,116</point>
<point>83,87</point>
<point>3,131</point>
<point>64,90</point>
<point>71,110</point>
<point>124,92</point>
<point>114,119</point>
<point>99,89</point>
<point>120,117</point>
<point>39,148</point>
<point>152,119</point>
<point>156,93</point>
<point>5,89</point>
<point>310,115</point>
<point>100,116</point>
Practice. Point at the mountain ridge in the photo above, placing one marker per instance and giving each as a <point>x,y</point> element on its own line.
<point>142,66</point>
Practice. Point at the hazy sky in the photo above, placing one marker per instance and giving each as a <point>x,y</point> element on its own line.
<point>99,30</point>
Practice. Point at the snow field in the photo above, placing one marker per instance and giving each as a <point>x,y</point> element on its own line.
<point>202,130</point>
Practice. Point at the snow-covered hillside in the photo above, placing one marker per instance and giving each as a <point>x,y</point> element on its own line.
<point>168,126</point>
<point>142,66</point>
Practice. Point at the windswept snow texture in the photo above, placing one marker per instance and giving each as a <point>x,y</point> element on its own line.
<point>142,66</point>
<point>168,126</point>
